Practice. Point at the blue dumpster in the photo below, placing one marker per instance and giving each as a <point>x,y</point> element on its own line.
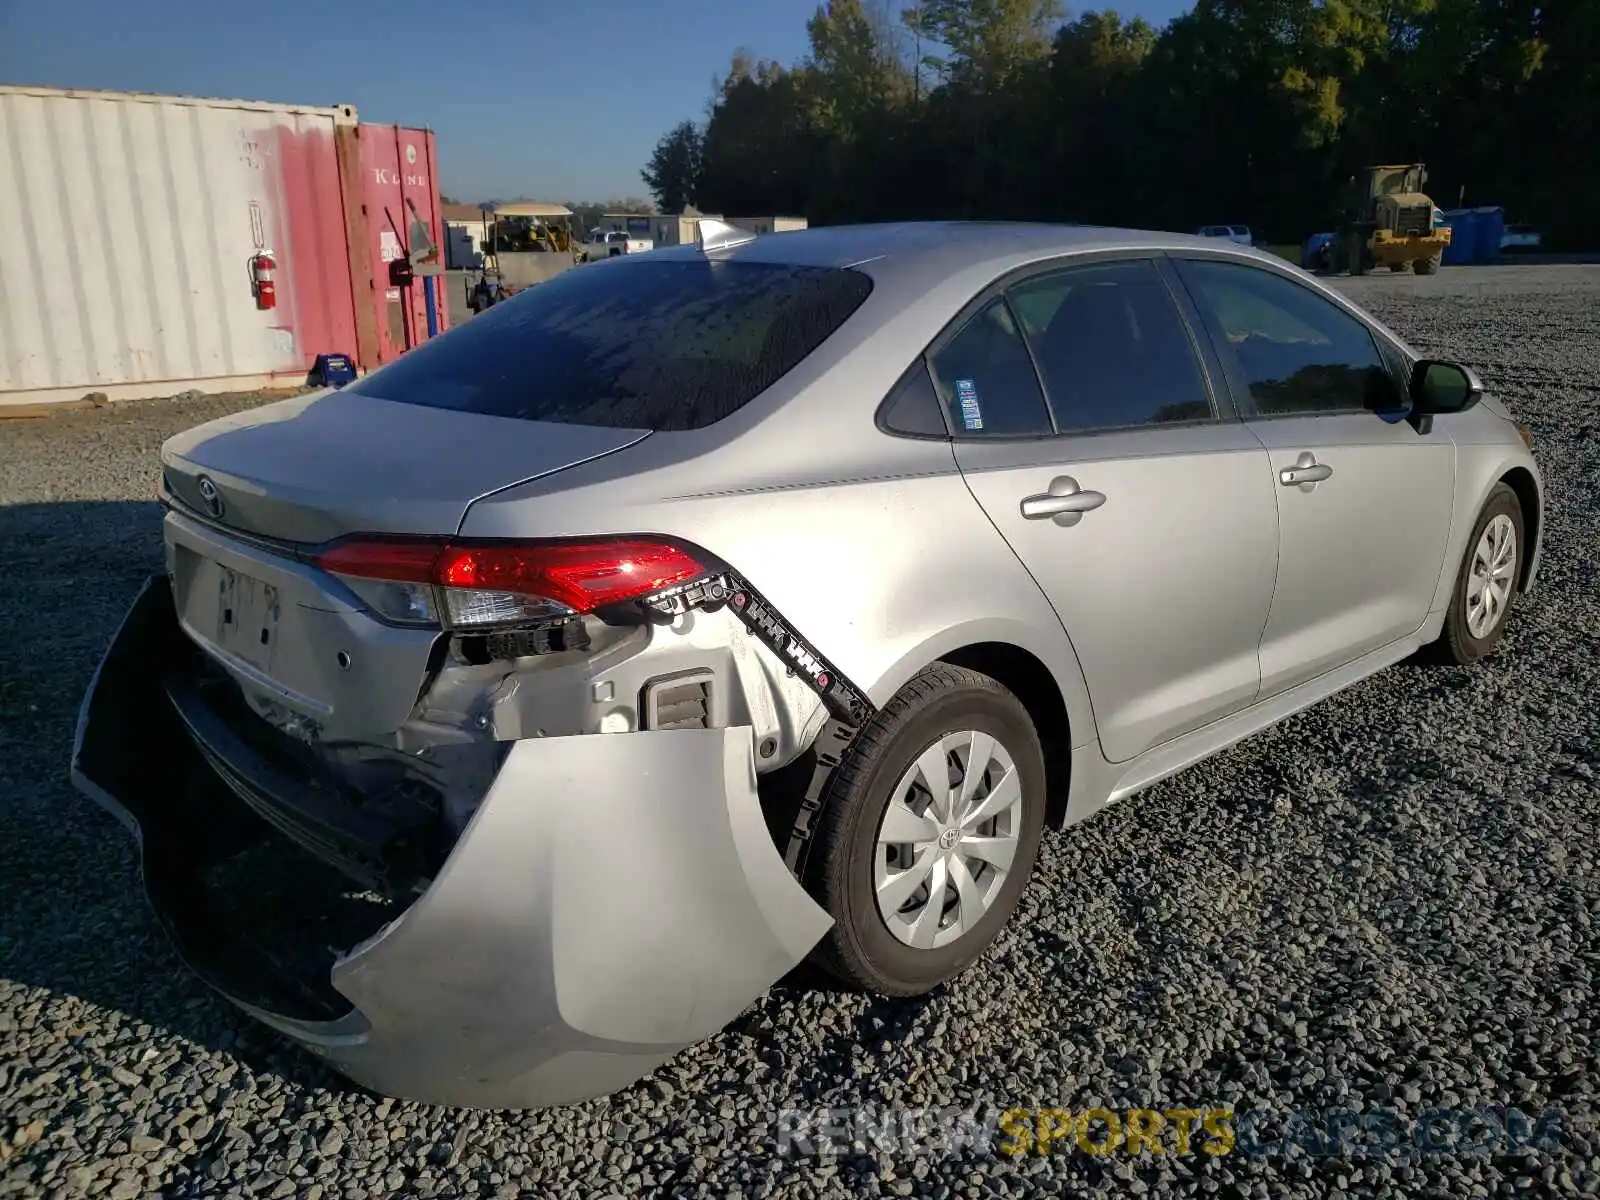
<point>1490,228</point>
<point>1463,247</point>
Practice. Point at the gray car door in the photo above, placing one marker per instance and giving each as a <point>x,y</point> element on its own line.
<point>1085,427</point>
<point>1364,500</point>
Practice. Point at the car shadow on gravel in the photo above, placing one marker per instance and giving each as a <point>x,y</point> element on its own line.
<point>73,917</point>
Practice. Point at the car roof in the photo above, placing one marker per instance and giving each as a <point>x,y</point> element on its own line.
<point>918,247</point>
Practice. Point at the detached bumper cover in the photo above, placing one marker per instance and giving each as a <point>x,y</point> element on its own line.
<point>615,899</point>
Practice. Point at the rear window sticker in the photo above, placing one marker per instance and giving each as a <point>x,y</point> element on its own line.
<point>971,414</point>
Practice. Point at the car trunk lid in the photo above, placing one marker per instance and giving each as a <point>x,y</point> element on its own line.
<point>253,492</point>
<point>317,467</point>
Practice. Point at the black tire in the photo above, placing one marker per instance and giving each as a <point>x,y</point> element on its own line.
<point>1429,266</point>
<point>860,951</point>
<point>1397,267</point>
<point>1456,644</point>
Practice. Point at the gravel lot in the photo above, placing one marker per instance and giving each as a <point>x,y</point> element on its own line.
<point>1391,900</point>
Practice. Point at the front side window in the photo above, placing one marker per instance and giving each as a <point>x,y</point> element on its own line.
<point>987,380</point>
<point>1291,350</point>
<point>1111,347</point>
<point>664,345</point>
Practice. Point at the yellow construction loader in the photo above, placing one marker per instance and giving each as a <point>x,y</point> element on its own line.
<point>1390,220</point>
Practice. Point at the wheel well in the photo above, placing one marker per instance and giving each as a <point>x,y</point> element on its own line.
<point>1520,481</point>
<point>1030,681</point>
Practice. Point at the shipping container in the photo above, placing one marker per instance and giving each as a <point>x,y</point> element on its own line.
<point>401,199</point>
<point>129,224</point>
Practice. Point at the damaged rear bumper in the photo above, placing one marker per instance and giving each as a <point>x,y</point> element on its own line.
<point>614,899</point>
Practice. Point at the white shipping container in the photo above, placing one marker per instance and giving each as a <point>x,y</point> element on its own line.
<point>127,225</point>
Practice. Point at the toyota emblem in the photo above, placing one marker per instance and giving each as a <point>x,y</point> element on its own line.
<point>210,496</point>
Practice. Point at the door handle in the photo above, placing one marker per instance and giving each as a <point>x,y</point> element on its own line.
<point>1306,470</point>
<point>1065,499</point>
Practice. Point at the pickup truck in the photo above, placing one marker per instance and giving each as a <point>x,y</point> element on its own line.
<point>1520,237</point>
<point>608,243</point>
<point>1238,234</point>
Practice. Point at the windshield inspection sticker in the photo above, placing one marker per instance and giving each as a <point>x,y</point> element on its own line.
<point>971,414</point>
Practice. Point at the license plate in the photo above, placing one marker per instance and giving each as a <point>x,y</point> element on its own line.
<point>247,618</point>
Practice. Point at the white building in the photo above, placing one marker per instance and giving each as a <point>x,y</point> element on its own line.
<point>465,228</point>
<point>678,230</point>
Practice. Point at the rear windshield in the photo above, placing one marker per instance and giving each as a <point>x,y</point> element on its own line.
<point>632,344</point>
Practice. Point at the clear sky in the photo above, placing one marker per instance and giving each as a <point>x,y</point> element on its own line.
<point>529,98</point>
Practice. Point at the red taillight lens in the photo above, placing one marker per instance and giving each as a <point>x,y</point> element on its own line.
<point>582,576</point>
<point>502,583</point>
<point>402,561</point>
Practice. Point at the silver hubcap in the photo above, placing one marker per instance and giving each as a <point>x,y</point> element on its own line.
<point>947,839</point>
<point>1489,579</point>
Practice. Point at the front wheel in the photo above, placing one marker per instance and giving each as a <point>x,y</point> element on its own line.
<point>928,833</point>
<point>1486,583</point>
<point>1429,266</point>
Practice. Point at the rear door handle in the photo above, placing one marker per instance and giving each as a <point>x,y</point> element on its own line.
<point>1064,499</point>
<point>1306,470</point>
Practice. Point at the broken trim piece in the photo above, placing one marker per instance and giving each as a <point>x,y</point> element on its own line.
<point>844,700</point>
<point>848,706</point>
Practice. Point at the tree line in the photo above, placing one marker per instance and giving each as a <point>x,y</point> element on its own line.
<point>1254,111</point>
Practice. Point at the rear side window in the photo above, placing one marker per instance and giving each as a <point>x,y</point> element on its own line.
<point>986,378</point>
<point>642,345</point>
<point>1111,347</point>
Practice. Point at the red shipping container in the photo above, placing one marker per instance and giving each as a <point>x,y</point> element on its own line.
<point>401,193</point>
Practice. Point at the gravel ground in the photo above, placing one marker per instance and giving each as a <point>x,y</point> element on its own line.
<point>1390,901</point>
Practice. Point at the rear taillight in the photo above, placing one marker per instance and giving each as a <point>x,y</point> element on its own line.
<point>469,585</point>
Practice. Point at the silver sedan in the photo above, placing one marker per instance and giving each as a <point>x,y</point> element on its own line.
<point>511,718</point>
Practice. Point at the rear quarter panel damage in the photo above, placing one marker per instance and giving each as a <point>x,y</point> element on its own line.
<point>883,570</point>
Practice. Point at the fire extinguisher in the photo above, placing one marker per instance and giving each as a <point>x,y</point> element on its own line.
<point>262,266</point>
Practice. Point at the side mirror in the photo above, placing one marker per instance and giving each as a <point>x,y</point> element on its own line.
<point>1440,387</point>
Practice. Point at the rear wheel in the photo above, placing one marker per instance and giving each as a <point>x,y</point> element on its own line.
<point>1486,583</point>
<point>928,833</point>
